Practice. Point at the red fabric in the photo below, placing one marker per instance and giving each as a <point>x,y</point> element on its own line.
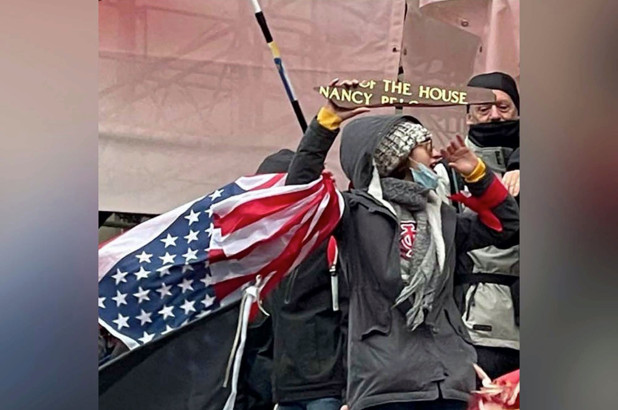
<point>314,221</point>
<point>493,196</point>
<point>506,387</point>
<point>331,254</point>
<point>509,378</point>
<point>270,183</point>
<point>285,261</point>
<point>255,214</point>
<point>252,211</point>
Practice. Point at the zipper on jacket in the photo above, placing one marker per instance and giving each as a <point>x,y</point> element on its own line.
<point>471,301</point>
<point>288,291</point>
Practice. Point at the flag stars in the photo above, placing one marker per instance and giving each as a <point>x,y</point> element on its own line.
<point>188,307</point>
<point>167,258</point>
<point>208,301</point>
<point>167,312</point>
<point>216,194</point>
<point>164,270</point>
<point>120,276</point>
<point>186,285</point>
<point>164,290</point>
<point>121,321</point>
<point>192,236</point>
<point>142,295</point>
<point>192,217</point>
<point>147,337</point>
<point>186,268</point>
<point>190,255</point>
<point>144,317</point>
<point>141,273</point>
<point>120,298</point>
<point>144,257</point>
<point>207,281</point>
<point>168,329</point>
<point>209,212</point>
<point>101,302</point>
<point>210,230</point>
<point>169,240</point>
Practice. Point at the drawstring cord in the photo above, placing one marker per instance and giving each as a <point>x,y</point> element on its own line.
<point>250,295</point>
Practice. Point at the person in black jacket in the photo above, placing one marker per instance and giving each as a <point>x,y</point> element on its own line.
<point>487,283</point>
<point>308,346</point>
<point>407,346</point>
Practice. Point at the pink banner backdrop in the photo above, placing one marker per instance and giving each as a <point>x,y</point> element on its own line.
<point>189,98</point>
<point>446,42</point>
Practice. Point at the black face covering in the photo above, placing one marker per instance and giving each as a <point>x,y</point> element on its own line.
<point>495,134</point>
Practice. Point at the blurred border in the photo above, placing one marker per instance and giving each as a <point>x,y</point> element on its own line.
<point>48,171</point>
<point>569,333</point>
<point>48,203</point>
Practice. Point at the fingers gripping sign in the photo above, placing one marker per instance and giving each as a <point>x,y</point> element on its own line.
<point>341,112</point>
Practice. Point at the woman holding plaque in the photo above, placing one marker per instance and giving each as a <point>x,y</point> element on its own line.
<point>407,345</point>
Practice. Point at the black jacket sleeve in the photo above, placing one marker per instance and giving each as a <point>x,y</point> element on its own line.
<point>513,162</point>
<point>472,233</point>
<point>308,162</point>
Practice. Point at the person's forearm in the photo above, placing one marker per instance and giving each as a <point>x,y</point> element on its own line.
<point>308,162</point>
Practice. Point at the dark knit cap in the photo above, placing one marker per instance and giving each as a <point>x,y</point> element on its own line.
<point>276,163</point>
<point>497,81</point>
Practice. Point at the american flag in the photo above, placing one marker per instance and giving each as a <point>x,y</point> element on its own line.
<point>190,261</point>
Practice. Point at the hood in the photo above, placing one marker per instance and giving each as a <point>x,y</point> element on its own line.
<point>359,140</point>
<point>276,163</point>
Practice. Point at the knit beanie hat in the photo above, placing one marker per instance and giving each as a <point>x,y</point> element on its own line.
<point>397,144</point>
<point>497,81</point>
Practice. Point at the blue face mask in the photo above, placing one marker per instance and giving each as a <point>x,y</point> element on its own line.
<point>424,176</point>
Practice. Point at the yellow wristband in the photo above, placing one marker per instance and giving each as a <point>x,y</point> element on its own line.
<point>328,119</point>
<point>477,173</point>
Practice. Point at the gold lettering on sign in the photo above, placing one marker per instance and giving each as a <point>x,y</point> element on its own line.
<point>406,89</point>
<point>357,94</point>
<point>346,95</point>
<point>423,91</point>
<point>367,84</point>
<point>396,87</point>
<point>442,94</point>
<point>436,94</point>
<point>393,92</point>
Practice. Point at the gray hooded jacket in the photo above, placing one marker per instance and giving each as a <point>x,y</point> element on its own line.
<point>489,309</point>
<point>386,362</point>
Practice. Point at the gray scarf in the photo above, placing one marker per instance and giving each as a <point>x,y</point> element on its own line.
<point>423,273</point>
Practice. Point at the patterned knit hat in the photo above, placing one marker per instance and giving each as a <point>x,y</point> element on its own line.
<point>395,146</point>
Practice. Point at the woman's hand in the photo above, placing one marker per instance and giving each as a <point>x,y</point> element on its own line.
<point>460,157</point>
<point>344,113</point>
